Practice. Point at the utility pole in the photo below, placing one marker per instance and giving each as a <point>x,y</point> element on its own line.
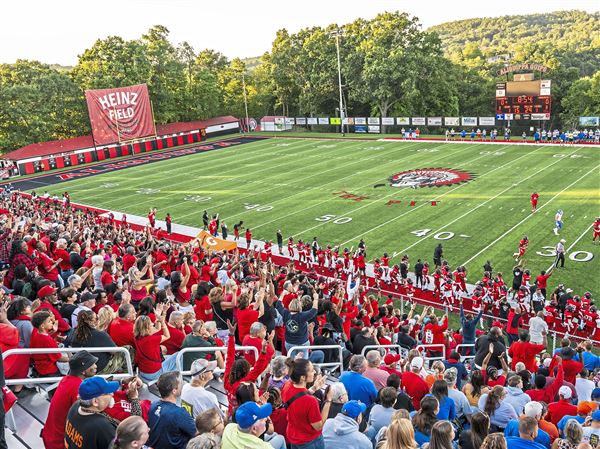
<point>337,33</point>
<point>245,101</point>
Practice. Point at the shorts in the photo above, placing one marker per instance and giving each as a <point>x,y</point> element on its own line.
<point>558,224</point>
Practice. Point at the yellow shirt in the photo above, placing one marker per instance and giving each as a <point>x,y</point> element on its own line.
<point>233,438</point>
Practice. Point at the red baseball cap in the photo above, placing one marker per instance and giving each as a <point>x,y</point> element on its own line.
<point>46,290</point>
<point>391,358</point>
<point>498,324</point>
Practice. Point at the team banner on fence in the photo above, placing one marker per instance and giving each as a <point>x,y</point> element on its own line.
<point>418,121</point>
<point>487,121</point>
<point>452,121</point>
<point>120,114</point>
<point>387,120</point>
<point>434,121</point>
<point>469,121</point>
<point>403,120</point>
<point>207,241</point>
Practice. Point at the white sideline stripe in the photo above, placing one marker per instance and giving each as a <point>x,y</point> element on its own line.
<point>436,198</point>
<point>574,243</point>
<point>529,216</point>
<point>483,204</point>
<point>330,199</point>
<point>490,142</point>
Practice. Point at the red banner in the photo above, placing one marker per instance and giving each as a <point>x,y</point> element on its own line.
<point>120,114</point>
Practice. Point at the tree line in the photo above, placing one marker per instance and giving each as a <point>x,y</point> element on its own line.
<point>390,67</point>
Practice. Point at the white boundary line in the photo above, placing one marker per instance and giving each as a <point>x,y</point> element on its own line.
<point>537,172</point>
<point>574,243</point>
<point>436,198</point>
<point>530,215</point>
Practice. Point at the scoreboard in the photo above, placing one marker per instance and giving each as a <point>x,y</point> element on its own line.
<point>524,99</point>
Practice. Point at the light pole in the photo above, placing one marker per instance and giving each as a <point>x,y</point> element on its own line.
<point>245,102</point>
<point>337,33</point>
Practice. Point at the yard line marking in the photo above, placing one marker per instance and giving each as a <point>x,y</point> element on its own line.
<point>529,216</point>
<point>329,199</point>
<point>574,243</point>
<point>537,172</point>
<point>438,197</point>
<point>216,206</point>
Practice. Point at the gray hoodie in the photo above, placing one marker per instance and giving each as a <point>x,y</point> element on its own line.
<point>342,432</point>
<point>517,399</point>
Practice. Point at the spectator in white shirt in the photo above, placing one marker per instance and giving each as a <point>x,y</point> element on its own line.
<point>538,328</point>
<point>194,397</point>
<point>584,385</point>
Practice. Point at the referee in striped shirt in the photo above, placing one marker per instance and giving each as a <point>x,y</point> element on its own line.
<point>560,254</point>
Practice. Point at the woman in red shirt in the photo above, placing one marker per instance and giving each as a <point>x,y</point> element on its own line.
<point>305,418</point>
<point>179,282</point>
<point>137,285</point>
<point>148,352</point>
<point>44,324</point>
<point>202,306</point>
<point>248,314</point>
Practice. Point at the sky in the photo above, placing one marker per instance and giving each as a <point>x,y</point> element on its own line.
<point>57,31</point>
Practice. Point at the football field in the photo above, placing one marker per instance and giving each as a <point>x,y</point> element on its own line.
<point>476,202</point>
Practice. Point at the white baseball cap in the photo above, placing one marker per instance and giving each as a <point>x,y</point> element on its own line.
<point>565,392</point>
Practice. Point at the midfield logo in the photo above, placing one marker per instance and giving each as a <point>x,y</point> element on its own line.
<point>429,177</point>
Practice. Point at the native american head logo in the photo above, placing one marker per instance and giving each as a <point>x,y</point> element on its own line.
<point>429,177</point>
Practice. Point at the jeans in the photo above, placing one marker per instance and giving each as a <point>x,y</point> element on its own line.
<point>315,356</point>
<point>317,443</point>
<point>169,364</point>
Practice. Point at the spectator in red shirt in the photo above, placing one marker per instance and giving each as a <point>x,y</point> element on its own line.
<point>542,281</point>
<point>563,407</point>
<point>258,332</point>
<point>44,324</point>
<point>81,366</point>
<point>414,385</point>
<point>177,334</point>
<point>65,259</point>
<point>129,259</point>
<point>121,329</point>
<point>248,313</point>
<point>571,366</point>
<point>541,393</point>
<point>525,351</point>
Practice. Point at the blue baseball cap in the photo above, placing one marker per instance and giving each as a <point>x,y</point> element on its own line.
<point>249,413</point>
<point>596,415</point>
<point>92,387</point>
<point>596,393</point>
<point>354,408</point>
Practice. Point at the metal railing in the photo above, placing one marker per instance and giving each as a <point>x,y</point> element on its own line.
<point>398,348</point>
<point>431,347</point>
<point>318,348</point>
<point>466,345</point>
<point>179,357</point>
<point>51,380</point>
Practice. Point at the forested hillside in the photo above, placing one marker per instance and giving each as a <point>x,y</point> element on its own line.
<point>390,67</point>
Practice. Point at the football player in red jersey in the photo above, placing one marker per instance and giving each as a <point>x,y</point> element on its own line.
<point>596,230</point>
<point>522,248</point>
<point>534,201</point>
<point>385,265</point>
<point>437,283</point>
<point>426,281</point>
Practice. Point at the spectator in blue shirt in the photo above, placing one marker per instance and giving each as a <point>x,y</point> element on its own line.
<point>171,427</point>
<point>528,430</point>
<point>447,408</point>
<point>534,410</point>
<point>590,360</point>
<point>499,411</point>
<point>359,388</point>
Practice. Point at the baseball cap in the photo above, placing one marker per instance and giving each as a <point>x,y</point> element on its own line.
<point>93,387</point>
<point>565,392</point>
<point>87,296</point>
<point>46,290</point>
<point>391,358</point>
<point>586,407</point>
<point>80,362</point>
<point>596,393</point>
<point>354,408</point>
<point>249,413</point>
<point>417,362</point>
<point>596,415</point>
<point>201,365</point>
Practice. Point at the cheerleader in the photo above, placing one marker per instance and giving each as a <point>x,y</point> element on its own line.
<point>385,264</point>
<point>290,246</point>
<point>426,280</point>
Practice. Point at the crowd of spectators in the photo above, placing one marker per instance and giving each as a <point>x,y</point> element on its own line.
<point>75,279</point>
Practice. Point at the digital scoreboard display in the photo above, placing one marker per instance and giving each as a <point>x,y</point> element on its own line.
<point>524,104</point>
<point>524,98</point>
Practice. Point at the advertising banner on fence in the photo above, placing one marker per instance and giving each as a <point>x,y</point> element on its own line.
<point>451,121</point>
<point>487,121</point>
<point>589,121</point>
<point>300,120</point>
<point>120,114</point>
<point>542,116</point>
<point>402,121</point>
<point>323,120</point>
<point>387,120</point>
<point>373,120</point>
<point>360,129</point>
<point>469,121</point>
<point>290,121</point>
<point>312,120</point>
<point>374,129</point>
<point>434,121</point>
<point>335,121</point>
<point>360,121</point>
<point>418,121</point>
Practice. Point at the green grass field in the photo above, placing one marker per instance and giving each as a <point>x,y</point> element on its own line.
<point>294,185</point>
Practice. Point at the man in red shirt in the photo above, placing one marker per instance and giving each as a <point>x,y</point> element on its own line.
<point>543,393</point>
<point>525,351</point>
<point>44,324</point>
<point>65,264</point>
<point>434,334</point>
<point>81,366</point>
<point>556,410</point>
<point>542,280</point>
<point>258,332</point>
<point>175,325</point>
<point>414,385</point>
<point>47,296</point>
<point>129,259</point>
<point>121,328</point>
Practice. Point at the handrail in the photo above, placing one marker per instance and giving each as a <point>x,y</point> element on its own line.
<point>332,364</point>
<point>179,357</point>
<point>46,380</point>
<point>430,347</point>
<point>466,345</point>
<point>364,350</point>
